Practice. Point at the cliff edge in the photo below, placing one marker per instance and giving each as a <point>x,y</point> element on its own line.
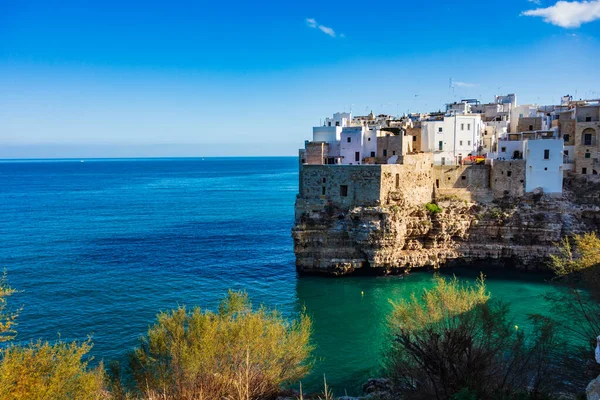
<point>389,219</point>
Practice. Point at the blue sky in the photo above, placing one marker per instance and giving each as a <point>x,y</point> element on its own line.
<point>252,78</point>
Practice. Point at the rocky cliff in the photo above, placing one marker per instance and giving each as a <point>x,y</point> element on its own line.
<point>396,238</point>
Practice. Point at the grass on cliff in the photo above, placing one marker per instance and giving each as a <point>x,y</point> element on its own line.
<point>454,339</point>
<point>433,208</point>
<point>236,353</point>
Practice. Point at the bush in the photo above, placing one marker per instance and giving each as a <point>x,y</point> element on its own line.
<point>433,208</point>
<point>50,371</point>
<point>41,370</point>
<point>237,353</point>
<point>579,264</point>
<point>7,318</point>
<point>454,342</point>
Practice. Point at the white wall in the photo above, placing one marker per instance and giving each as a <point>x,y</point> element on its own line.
<point>544,173</point>
<point>329,134</point>
<point>370,142</point>
<point>507,148</point>
<point>465,128</point>
<point>351,142</point>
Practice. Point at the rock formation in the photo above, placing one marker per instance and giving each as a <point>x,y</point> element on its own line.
<point>401,235</point>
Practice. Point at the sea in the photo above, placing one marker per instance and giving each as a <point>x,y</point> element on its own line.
<point>97,247</point>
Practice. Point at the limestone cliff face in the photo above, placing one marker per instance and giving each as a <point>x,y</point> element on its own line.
<point>392,239</point>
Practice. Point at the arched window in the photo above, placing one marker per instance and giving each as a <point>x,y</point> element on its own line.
<point>588,137</point>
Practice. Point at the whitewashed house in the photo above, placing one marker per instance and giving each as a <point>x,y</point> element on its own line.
<point>452,138</point>
<point>544,165</point>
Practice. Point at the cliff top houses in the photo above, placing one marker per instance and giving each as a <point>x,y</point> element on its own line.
<point>550,141</point>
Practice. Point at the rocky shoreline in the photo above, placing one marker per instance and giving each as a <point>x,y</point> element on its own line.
<point>393,239</point>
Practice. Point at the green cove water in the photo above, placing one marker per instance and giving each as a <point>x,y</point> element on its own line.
<point>99,247</point>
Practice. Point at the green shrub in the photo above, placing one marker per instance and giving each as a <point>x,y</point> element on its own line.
<point>433,208</point>
<point>41,370</point>
<point>50,371</point>
<point>453,342</point>
<point>236,353</point>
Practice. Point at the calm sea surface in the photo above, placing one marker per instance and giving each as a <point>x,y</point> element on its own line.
<point>99,247</point>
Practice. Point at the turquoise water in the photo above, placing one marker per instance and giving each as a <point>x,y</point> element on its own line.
<point>98,248</point>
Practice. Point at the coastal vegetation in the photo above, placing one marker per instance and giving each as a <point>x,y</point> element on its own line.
<point>41,370</point>
<point>433,208</point>
<point>453,341</point>
<point>236,353</point>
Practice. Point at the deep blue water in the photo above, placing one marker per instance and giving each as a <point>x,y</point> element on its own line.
<point>99,247</point>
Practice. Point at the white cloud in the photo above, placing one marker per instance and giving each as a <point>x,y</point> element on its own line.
<point>312,23</point>
<point>538,2</point>
<point>327,30</point>
<point>568,14</point>
<point>464,84</point>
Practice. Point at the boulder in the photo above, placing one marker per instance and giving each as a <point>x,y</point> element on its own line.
<point>593,389</point>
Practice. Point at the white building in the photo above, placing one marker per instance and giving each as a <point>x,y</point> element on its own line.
<point>450,140</point>
<point>351,145</point>
<point>544,165</point>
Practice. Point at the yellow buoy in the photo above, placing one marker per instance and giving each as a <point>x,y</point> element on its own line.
<point>362,293</point>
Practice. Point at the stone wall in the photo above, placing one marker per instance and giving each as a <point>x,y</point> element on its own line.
<point>388,146</point>
<point>475,177</point>
<point>582,162</point>
<point>416,134</point>
<point>407,183</point>
<point>508,178</point>
<point>341,185</point>
<point>316,152</point>
<point>567,127</point>
<point>529,124</point>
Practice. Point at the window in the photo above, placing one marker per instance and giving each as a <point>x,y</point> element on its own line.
<point>323,191</point>
<point>349,140</point>
<point>329,123</point>
<point>440,130</point>
<point>385,152</point>
<point>394,152</point>
<point>503,149</point>
<point>357,156</point>
<point>468,127</point>
<point>369,139</point>
<point>397,181</point>
<point>584,171</point>
<point>462,127</point>
<point>441,145</point>
<point>566,137</point>
<point>324,180</point>
<point>588,155</point>
<point>566,152</point>
<point>464,178</point>
<point>460,144</point>
<point>414,138</point>
<point>546,154</point>
<point>337,123</point>
<point>587,139</point>
<point>530,127</point>
<point>588,119</point>
<point>469,143</point>
<point>372,154</point>
<point>508,173</point>
<point>444,162</point>
<point>344,190</point>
